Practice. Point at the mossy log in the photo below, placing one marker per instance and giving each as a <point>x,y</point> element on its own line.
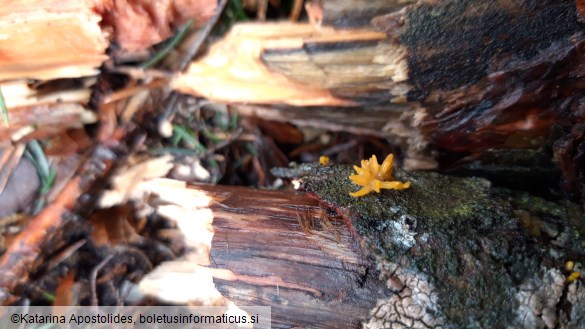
<point>455,83</point>
<point>458,253</point>
<point>448,252</point>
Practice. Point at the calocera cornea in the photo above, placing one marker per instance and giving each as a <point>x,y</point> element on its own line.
<point>373,177</point>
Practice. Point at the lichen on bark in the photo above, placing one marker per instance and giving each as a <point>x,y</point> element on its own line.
<point>457,253</point>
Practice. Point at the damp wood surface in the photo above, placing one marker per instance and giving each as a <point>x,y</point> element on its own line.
<point>311,274</point>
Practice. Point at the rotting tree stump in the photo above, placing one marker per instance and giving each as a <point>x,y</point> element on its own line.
<point>446,253</point>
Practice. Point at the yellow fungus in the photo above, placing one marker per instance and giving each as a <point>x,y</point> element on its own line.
<point>569,265</point>
<point>573,276</point>
<point>323,160</point>
<point>372,176</point>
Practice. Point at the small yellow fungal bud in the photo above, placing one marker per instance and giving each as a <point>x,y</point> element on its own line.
<point>323,160</point>
<point>569,266</point>
<point>573,276</point>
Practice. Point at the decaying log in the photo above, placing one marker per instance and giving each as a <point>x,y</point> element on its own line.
<point>451,78</point>
<point>458,253</point>
<point>445,253</point>
<point>235,68</point>
<point>259,248</point>
<point>280,249</point>
<point>305,65</point>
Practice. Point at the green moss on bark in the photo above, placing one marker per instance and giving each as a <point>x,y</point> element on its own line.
<point>465,238</point>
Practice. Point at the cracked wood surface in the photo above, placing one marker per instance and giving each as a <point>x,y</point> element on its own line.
<point>279,249</point>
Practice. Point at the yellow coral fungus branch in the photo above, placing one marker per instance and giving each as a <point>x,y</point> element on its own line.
<point>372,176</point>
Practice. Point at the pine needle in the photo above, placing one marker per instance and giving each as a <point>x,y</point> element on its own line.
<point>161,54</point>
